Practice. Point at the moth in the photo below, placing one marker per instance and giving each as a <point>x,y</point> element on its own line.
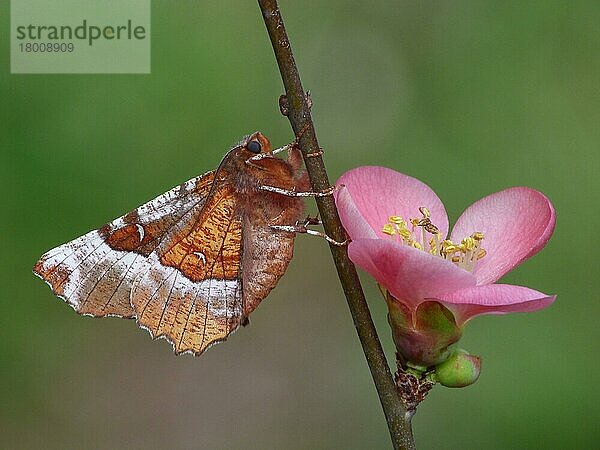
<point>192,264</point>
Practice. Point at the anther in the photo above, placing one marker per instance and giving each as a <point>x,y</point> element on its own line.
<point>463,254</point>
<point>468,243</point>
<point>388,228</point>
<point>397,220</point>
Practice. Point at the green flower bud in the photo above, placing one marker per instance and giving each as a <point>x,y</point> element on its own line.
<point>459,370</point>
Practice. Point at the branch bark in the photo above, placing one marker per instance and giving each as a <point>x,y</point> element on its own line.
<point>398,419</point>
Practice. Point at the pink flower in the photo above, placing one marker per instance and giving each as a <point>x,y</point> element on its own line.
<point>398,228</point>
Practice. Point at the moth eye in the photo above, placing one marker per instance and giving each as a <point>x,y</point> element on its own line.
<point>254,146</point>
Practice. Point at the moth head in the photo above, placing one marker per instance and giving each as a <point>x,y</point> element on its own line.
<point>256,143</point>
<point>254,146</point>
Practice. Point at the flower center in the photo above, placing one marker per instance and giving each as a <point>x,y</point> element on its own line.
<point>422,234</point>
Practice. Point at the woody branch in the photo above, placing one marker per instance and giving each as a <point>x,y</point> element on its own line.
<point>298,113</point>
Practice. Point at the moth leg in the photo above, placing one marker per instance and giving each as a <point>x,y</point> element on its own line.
<point>325,193</point>
<point>311,221</point>
<point>304,230</point>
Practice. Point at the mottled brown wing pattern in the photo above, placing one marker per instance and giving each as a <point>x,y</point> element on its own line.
<point>95,272</point>
<point>192,264</point>
<point>191,293</point>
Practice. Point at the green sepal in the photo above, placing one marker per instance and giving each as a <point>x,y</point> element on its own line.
<point>422,336</point>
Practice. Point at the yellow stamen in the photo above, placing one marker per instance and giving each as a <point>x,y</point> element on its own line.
<point>388,228</point>
<point>464,254</point>
<point>448,247</point>
<point>405,233</point>
<point>397,220</point>
<point>468,243</point>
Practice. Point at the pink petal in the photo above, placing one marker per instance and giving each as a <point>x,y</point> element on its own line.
<point>351,218</point>
<point>409,274</point>
<point>379,192</point>
<point>516,223</point>
<point>494,299</point>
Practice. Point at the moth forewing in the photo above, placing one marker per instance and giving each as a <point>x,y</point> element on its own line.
<point>193,263</point>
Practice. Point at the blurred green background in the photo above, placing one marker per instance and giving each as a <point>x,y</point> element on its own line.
<point>469,96</point>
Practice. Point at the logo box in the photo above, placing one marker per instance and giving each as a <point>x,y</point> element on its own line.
<point>80,36</point>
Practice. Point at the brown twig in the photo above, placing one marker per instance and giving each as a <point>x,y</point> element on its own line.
<point>298,112</point>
